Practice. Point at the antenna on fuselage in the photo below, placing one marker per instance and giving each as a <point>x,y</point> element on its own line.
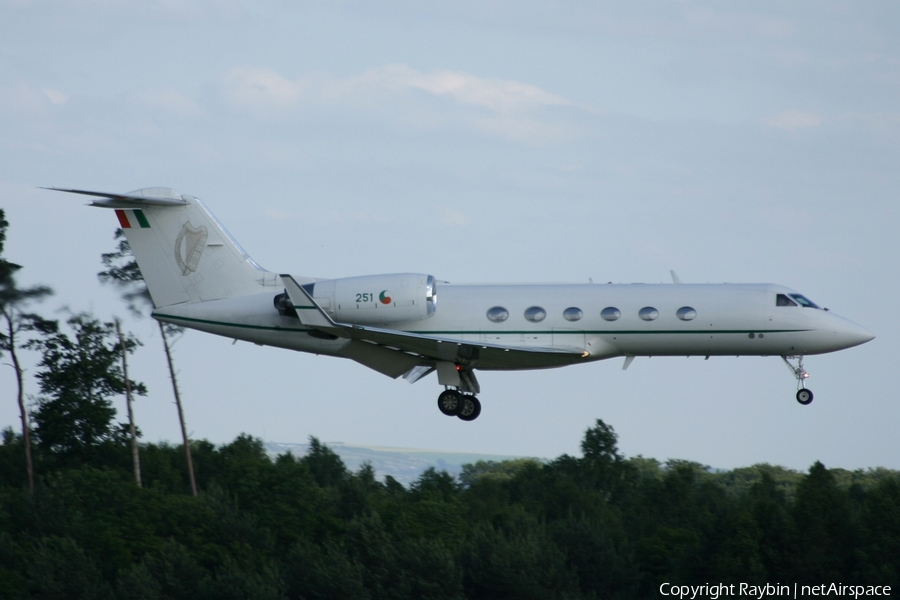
<point>675,277</point>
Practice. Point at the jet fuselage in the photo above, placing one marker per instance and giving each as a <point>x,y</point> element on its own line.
<point>716,319</point>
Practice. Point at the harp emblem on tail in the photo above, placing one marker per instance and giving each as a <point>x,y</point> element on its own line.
<point>189,246</point>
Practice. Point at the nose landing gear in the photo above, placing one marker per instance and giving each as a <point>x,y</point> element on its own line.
<point>804,396</point>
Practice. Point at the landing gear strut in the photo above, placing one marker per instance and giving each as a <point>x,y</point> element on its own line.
<point>460,386</point>
<point>454,403</point>
<point>804,396</point>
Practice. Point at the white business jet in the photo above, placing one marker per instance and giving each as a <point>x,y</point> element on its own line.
<point>199,277</point>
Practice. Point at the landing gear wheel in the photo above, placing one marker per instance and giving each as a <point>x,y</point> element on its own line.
<point>804,396</point>
<point>470,408</point>
<point>450,402</point>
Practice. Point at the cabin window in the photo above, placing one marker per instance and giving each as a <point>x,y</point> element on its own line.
<point>648,313</point>
<point>782,300</point>
<point>535,314</point>
<point>573,313</point>
<point>497,314</point>
<point>686,313</point>
<point>610,313</point>
<point>804,301</point>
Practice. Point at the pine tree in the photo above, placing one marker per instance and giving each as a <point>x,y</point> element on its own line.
<point>12,300</point>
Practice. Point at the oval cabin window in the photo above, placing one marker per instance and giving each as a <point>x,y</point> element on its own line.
<point>573,313</point>
<point>610,313</point>
<point>648,313</point>
<point>497,314</point>
<point>535,314</point>
<point>686,313</point>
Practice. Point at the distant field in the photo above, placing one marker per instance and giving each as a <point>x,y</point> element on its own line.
<point>403,464</point>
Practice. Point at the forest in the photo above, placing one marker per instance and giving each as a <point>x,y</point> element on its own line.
<point>595,526</point>
<point>89,511</point>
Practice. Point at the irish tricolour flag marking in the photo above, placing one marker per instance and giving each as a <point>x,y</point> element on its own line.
<point>132,218</point>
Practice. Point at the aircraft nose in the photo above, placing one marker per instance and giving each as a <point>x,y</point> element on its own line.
<point>849,334</point>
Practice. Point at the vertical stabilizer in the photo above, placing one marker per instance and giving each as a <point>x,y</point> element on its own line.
<point>184,253</point>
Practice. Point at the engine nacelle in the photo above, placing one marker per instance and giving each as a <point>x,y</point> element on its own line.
<point>377,299</point>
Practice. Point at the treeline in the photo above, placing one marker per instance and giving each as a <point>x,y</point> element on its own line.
<point>599,526</point>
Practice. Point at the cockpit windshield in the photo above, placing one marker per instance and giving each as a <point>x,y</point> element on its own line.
<point>782,300</point>
<point>804,301</point>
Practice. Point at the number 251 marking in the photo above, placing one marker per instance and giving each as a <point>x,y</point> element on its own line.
<point>367,297</point>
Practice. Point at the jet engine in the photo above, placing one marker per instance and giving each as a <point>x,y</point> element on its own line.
<point>377,299</point>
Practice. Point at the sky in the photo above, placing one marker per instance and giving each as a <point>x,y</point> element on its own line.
<point>481,142</point>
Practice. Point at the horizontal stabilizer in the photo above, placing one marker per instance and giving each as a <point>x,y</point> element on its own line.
<point>145,197</point>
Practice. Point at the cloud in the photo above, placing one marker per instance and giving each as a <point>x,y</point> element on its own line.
<point>261,89</point>
<point>440,98</point>
<point>451,216</point>
<point>791,120</point>
<point>55,96</point>
<point>23,98</point>
<point>500,95</point>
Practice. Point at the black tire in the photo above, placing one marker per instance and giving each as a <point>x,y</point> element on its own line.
<point>450,402</point>
<point>804,396</point>
<point>470,408</point>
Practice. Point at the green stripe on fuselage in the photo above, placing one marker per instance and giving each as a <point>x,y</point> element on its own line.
<point>482,332</point>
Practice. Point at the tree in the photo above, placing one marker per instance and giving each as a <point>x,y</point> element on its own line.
<point>602,461</point>
<point>12,300</point>
<point>326,466</point>
<point>78,376</point>
<point>123,271</point>
<point>132,431</point>
<point>824,537</point>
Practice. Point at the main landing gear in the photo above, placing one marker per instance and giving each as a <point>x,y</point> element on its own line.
<point>804,396</point>
<point>454,403</point>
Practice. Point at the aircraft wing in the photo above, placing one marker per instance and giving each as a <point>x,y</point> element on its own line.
<point>428,348</point>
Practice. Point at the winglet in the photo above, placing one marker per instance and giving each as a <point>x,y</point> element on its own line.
<point>310,313</point>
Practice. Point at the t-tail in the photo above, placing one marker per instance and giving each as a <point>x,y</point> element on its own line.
<point>183,252</point>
